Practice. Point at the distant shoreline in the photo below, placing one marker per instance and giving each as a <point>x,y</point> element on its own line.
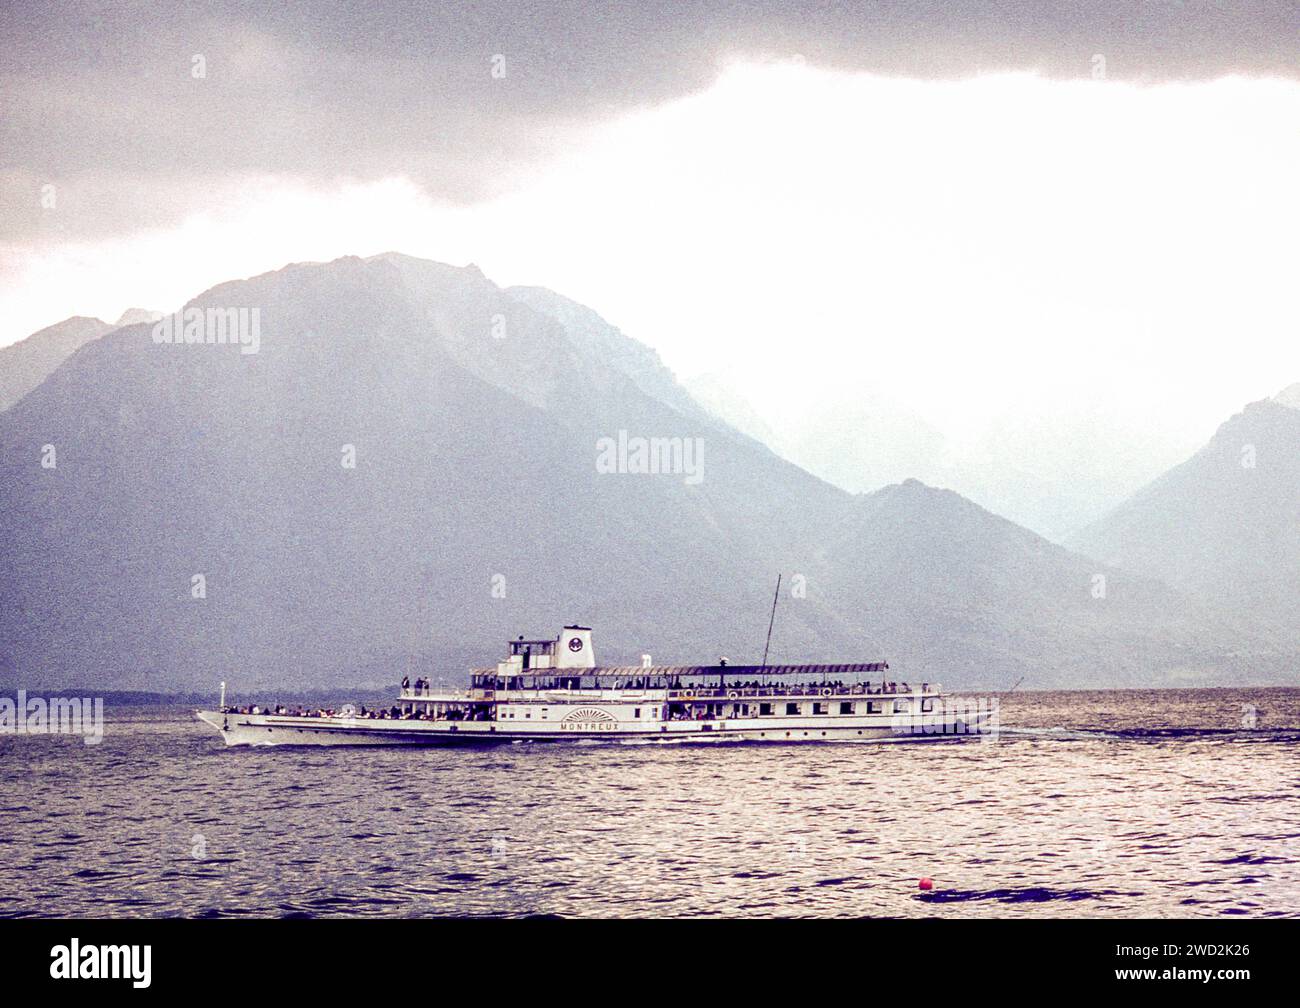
<point>208,698</point>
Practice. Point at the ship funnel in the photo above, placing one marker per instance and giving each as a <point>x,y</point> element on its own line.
<point>574,648</point>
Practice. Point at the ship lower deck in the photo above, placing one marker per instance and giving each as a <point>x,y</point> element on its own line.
<point>269,729</point>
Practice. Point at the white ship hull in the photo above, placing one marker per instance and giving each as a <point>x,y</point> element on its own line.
<point>273,730</point>
<point>551,690</point>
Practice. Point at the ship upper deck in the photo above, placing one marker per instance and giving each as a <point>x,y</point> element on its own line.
<point>674,683</point>
<point>685,693</point>
<point>564,668</point>
<point>719,670</point>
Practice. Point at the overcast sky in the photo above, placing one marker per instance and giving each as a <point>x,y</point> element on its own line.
<point>101,99</point>
<point>956,202</point>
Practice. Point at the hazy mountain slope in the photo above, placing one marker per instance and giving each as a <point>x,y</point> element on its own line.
<point>1224,523</point>
<point>636,360</point>
<point>1053,467</point>
<point>1003,603</point>
<point>1289,396</point>
<point>27,363</point>
<point>135,316</point>
<point>473,459</point>
<point>476,469</point>
<point>865,445</point>
<point>716,396</point>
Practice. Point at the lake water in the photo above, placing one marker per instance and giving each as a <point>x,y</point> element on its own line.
<point>1111,804</point>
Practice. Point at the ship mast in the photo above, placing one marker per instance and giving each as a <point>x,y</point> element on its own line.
<point>775,595</point>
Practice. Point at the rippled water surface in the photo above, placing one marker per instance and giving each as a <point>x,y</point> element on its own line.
<point>1089,804</point>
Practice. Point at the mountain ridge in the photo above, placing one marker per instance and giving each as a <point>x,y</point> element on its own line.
<point>474,508</point>
<point>29,361</point>
<point>1221,524</point>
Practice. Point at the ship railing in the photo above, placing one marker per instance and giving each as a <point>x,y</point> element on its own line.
<point>588,695</point>
<point>433,693</point>
<point>794,689</point>
<point>680,693</point>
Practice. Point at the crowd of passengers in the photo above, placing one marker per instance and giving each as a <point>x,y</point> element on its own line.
<point>703,688</point>
<point>835,685</point>
<point>765,688</point>
<point>386,714</point>
<point>395,713</point>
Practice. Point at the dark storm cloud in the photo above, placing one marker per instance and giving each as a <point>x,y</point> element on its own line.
<point>100,101</point>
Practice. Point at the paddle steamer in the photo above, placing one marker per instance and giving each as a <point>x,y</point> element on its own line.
<point>553,690</point>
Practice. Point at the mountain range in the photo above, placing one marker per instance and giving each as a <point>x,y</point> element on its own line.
<point>1054,470</point>
<point>406,473</point>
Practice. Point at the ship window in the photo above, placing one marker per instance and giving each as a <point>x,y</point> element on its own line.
<point>636,712</point>
<point>819,708</point>
<point>528,714</point>
<point>927,705</point>
<point>846,708</point>
<point>900,706</point>
<point>792,708</point>
<point>873,707</point>
<point>764,708</point>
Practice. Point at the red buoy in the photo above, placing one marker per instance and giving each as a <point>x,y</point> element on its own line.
<point>926,884</point>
